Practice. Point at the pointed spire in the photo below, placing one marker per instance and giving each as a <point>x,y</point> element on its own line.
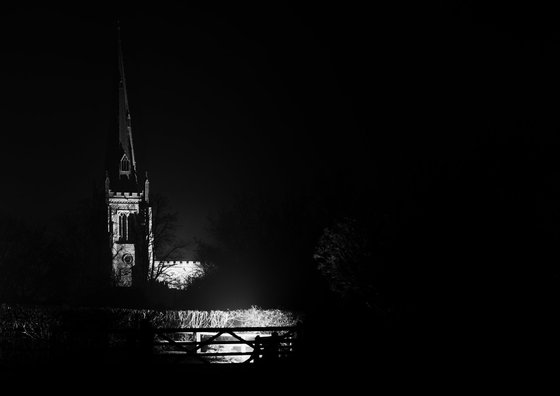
<point>125,128</point>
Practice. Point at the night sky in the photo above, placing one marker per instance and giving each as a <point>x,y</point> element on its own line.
<point>223,101</point>
<point>272,98</point>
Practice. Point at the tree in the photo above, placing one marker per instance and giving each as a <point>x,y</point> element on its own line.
<point>16,258</point>
<point>82,246</point>
<point>32,268</point>
<point>167,245</point>
<point>345,256</point>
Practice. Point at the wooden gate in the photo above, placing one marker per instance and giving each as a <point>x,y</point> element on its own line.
<point>225,345</point>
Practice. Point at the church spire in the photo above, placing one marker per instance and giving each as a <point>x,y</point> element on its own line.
<point>128,161</point>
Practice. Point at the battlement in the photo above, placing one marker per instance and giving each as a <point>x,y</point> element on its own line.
<point>116,194</point>
<point>178,262</point>
<point>179,272</point>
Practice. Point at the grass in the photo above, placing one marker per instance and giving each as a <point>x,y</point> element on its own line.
<point>41,323</point>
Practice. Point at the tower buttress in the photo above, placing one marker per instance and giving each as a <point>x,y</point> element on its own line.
<point>147,189</point>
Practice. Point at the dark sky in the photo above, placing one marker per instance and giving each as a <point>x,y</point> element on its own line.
<point>267,98</point>
<point>223,101</point>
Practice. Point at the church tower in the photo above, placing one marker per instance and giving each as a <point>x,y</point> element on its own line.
<point>129,215</point>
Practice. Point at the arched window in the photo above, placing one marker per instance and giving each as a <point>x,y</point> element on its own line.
<point>123,227</point>
<point>131,228</point>
<point>125,164</point>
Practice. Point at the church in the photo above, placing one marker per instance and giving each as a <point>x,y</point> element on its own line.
<point>129,213</point>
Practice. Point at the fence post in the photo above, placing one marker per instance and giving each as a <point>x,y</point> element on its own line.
<point>257,350</point>
<point>273,348</point>
<point>297,342</point>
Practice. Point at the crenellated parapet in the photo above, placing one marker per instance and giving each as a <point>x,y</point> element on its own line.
<point>123,194</point>
<point>183,263</point>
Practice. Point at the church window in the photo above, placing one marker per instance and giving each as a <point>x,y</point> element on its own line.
<point>123,227</point>
<point>125,164</point>
<point>131,228</point>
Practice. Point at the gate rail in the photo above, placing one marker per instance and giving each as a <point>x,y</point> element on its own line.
<point>222,345</point>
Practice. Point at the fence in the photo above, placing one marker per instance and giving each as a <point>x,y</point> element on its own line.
<point>250,345</point>
<point>219,345</point>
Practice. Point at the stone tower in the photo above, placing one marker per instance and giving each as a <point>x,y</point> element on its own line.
<point>129,215</point>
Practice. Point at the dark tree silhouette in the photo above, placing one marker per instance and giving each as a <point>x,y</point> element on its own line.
<point>344,257</point>
<point>33,267</point>
<point>167,245</point>
<point>82,245</point>
<point>17,259</point>
<point>261,248</point>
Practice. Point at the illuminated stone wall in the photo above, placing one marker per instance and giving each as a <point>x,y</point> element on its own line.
<point>124,258</point>
<point>125,219</point>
